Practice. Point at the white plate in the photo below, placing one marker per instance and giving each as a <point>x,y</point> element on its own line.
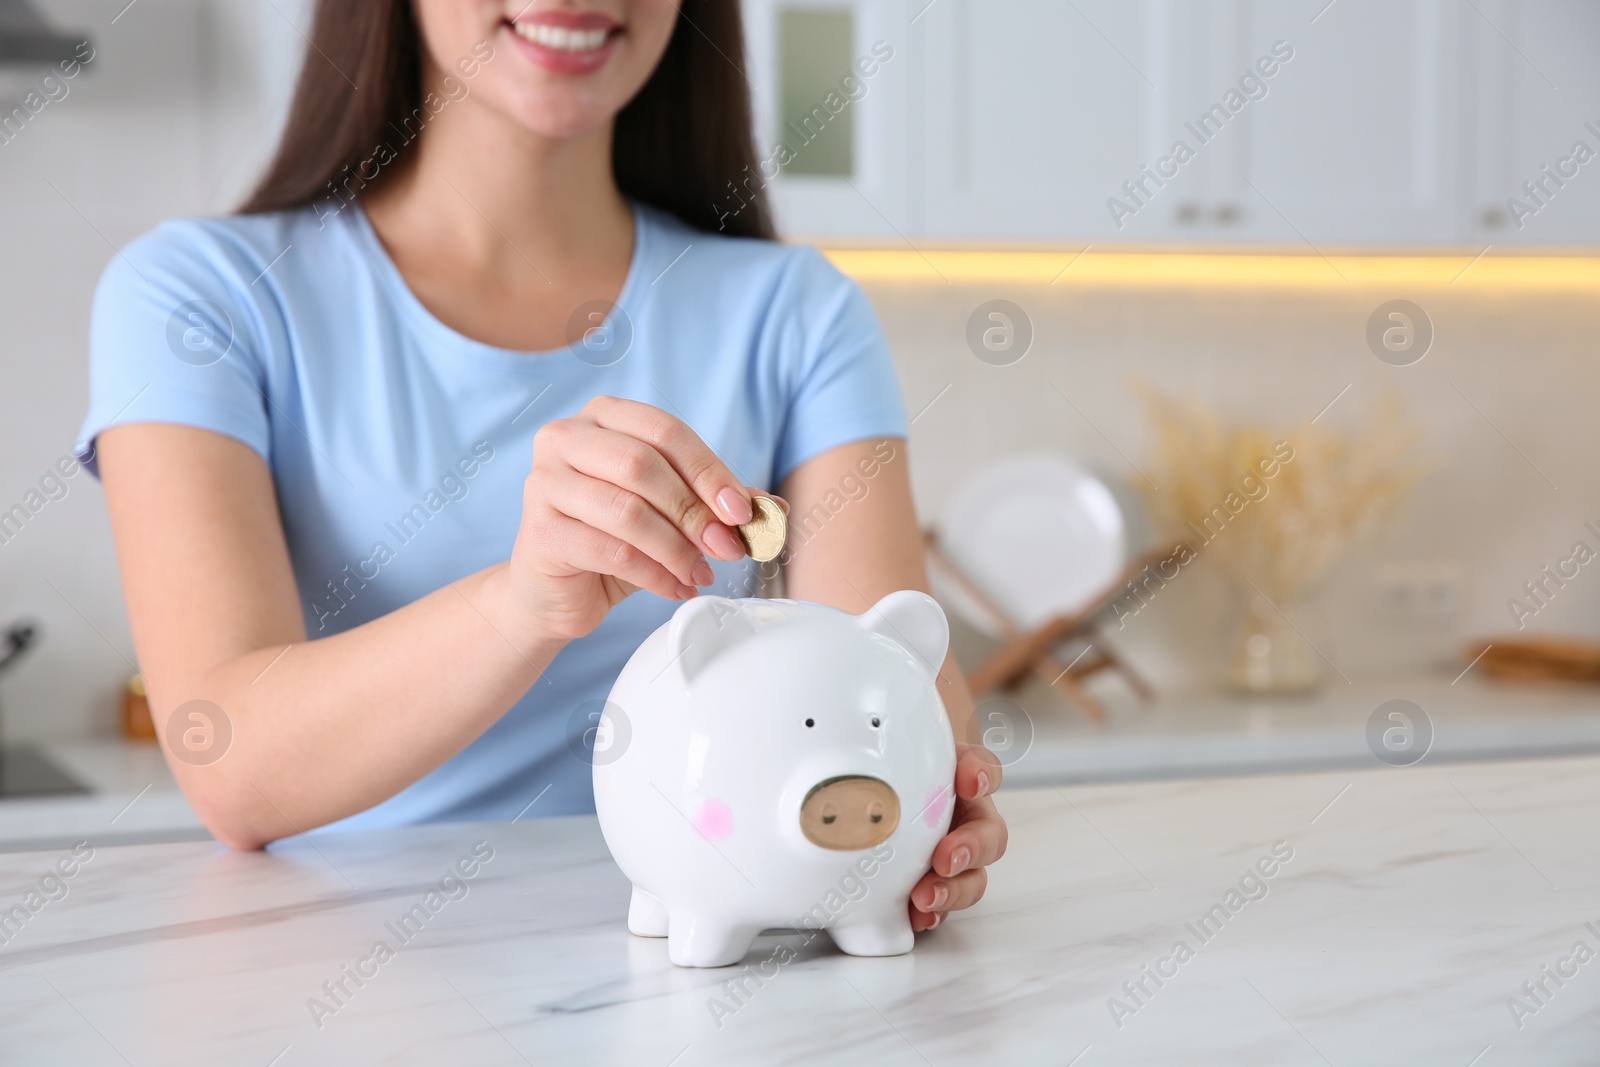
<point>1040,534</point>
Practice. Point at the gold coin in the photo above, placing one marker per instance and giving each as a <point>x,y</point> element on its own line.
<point>767,531</point>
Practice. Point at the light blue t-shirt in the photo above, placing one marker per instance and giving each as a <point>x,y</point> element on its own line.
<point>399,447</point>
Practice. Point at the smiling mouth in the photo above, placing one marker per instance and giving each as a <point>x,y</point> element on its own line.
<point>561,38</point>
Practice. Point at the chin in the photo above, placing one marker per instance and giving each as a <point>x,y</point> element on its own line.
<point>555,111</point>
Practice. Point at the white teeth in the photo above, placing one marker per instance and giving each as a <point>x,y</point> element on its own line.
<point>560,38</point>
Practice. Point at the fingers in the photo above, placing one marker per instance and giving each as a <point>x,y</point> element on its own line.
<point>592,550</point>
<point>628,517</point>
<point>958,879</point>
<point>698,467</point>
<point>656,499</point>
<point>978,772</point>
<point>935,896</point>
<point>624,461</point>
<point>977,838</point>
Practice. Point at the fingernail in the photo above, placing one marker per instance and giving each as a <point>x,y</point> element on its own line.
<point>735,508</point>
<point>702,573</point>
<point>721,542</point>
<point>941,896</point>
<point>686,592</point>
<point>959,860</point>
<point>983,783</point>
<point>937,918</point>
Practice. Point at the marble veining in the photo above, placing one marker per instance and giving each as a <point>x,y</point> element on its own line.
<point>1417,903</point>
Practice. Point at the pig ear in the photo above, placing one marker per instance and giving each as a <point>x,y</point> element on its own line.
<point>913,621</point>
<point>702,629</point>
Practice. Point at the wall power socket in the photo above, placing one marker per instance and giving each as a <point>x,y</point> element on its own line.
<point>1426,590</point>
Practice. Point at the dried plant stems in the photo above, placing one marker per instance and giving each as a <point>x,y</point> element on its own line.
<point>1285,530</point>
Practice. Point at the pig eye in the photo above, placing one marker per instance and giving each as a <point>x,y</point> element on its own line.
<point>829,814</point>
<point>827,820</point>
<point>811,722</point>
<point>876,722</point>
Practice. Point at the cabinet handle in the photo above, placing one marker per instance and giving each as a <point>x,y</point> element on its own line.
<point>1187,212</point>
<point>1227,214</point>
<point>1493,218</point>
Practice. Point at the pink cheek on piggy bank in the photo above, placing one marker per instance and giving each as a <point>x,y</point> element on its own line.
<point>714,820</point>
<point>933,809</point>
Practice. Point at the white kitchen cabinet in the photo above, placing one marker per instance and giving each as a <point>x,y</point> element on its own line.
<point>1236,122</point>
<point>1034,114</point>
<point>1355,123</point>
<point>1415,122</point>
<point>994,120</point>
<point>1536,92</point>
<point>823,71</point>
<point>1362,138</point>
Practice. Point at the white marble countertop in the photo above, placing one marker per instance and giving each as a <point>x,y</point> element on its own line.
<point>1416,903</point>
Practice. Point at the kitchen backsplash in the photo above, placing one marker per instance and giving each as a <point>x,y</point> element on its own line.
<point>1504,398</point>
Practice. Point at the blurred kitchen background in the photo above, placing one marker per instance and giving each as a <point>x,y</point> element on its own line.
<point>1059,283</point>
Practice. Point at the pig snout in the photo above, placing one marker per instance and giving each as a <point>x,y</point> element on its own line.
<point>849,813</point>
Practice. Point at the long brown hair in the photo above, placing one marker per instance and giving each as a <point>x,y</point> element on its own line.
<point>683,144</point>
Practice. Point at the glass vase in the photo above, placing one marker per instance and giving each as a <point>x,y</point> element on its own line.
<point>1270,656</point>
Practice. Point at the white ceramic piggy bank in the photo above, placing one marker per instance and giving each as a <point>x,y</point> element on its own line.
<point>774,763</point>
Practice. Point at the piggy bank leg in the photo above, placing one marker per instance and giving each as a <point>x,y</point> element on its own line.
<point>646,916</point>
<point>874,935</point>
<point>707,941</point>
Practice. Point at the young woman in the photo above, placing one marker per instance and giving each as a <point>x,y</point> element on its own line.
<point>407,458</point>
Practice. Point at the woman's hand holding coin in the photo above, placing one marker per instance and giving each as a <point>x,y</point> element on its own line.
<point>623,496</point>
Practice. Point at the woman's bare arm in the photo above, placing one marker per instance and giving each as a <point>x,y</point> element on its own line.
<point>321,729</point>
<point>854,538</point>
<point>621,497</point>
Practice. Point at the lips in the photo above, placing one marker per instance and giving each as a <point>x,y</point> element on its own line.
<point>566,42</point>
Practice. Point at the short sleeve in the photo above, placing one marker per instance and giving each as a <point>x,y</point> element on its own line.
<point>845,387</point>
<point>173,338</point>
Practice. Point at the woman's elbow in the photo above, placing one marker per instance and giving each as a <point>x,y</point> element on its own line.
<point>238,841</point>
<point>240,819</point>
